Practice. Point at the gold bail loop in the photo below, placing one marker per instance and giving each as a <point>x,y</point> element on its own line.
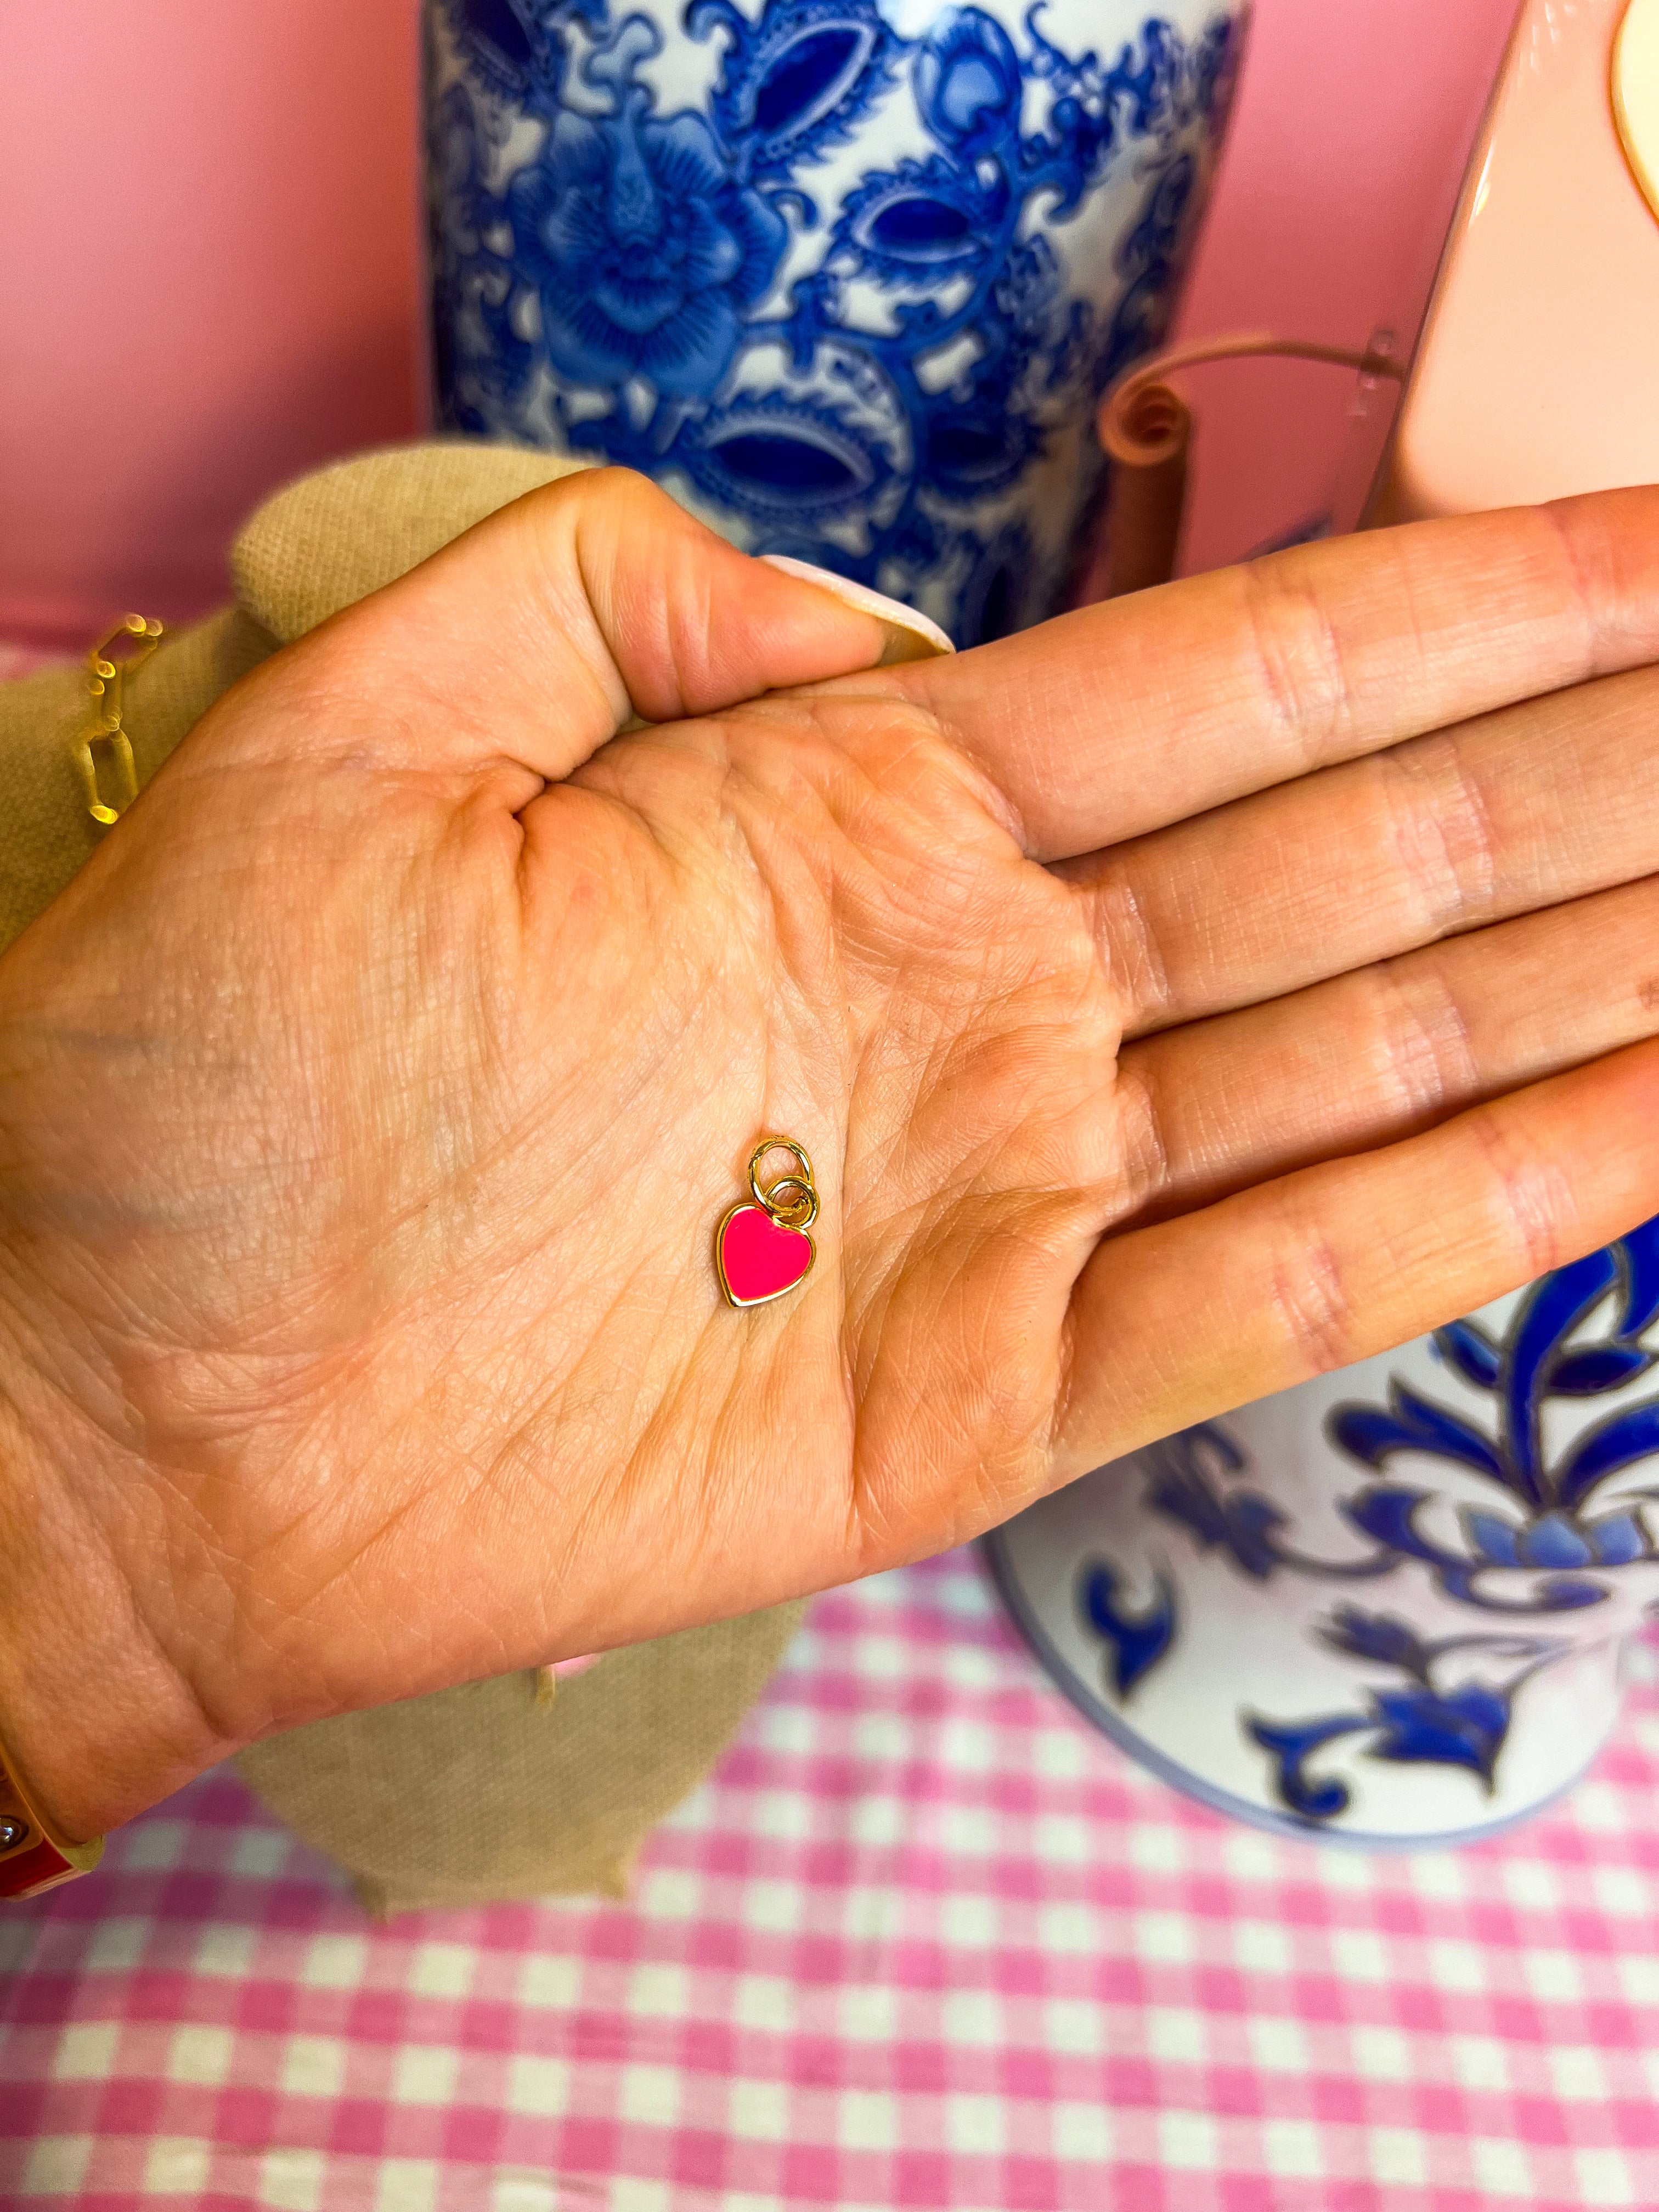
<point>792,1200</point>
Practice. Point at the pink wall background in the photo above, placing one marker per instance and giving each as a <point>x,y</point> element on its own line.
<point>210,267</point>
<point>208,270</point>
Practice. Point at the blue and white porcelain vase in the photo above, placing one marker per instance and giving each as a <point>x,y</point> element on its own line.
<point>846,276</point>
<point>1390,1606</point>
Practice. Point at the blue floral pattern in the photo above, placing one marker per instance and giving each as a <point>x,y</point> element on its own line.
<point>1548,1522</point>
<point>644,251</point>
<point>1424,1721</point>
<point>1139,1637</point>
<point>866,382</point>
<point>1543,1546</point>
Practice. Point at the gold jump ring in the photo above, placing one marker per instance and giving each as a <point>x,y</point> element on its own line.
<point>780,1144</point>
<point>797,1213</point>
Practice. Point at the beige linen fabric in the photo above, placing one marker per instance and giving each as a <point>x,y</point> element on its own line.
<point>486,1791</point>
<point>481,1792</point>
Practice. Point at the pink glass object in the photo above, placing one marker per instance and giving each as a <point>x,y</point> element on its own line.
<point>1535,376</point>
<point>1343,166</point>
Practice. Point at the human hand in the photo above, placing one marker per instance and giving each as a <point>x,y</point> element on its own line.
<point>1199,992</point>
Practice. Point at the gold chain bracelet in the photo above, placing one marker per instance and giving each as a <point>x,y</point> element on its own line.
<point>107,682</point>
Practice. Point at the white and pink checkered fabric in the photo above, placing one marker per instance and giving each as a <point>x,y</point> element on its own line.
<point>925,1941</point>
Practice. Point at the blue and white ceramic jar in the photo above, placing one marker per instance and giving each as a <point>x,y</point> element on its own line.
<point>846,276</point>
<point>1389,1606</point>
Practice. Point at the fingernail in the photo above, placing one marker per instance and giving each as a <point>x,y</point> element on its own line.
<point>910,635</point>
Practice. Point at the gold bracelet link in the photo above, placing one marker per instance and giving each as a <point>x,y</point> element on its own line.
<point>107,682</point>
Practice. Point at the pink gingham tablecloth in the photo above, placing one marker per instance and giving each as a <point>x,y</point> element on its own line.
<point>924,1941</point>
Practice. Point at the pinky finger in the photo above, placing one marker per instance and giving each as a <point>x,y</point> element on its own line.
<point>1178,1322</point>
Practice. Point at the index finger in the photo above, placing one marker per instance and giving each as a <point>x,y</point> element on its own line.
<point>1120,718</point>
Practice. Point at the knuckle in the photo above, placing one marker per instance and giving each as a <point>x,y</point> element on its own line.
<point>1424,1038</point>
<point>1300,667</point>
<point>1437,822</point>
<point>1531,1195</point>
<point>1309,1296</point>
<point>1141,1123</point>
<point>1129,948</point>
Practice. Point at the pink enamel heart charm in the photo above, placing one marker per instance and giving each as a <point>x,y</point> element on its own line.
<point>760,1258</point>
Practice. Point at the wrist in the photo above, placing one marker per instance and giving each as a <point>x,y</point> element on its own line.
<point>98,1719</point>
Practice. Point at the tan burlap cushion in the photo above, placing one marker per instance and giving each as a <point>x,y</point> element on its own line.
<point>487,1791</point>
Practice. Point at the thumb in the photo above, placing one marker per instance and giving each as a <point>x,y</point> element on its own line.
<point>537,634</point>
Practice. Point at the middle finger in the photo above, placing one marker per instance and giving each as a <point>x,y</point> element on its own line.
<point>1521,809</point>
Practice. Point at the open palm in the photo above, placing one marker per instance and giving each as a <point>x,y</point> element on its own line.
<point>1173,1001</point>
